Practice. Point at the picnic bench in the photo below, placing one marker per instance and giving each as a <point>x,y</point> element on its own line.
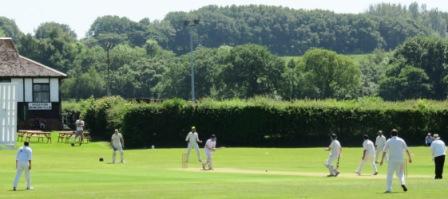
<point>28,134</point>
<point>65,136</point>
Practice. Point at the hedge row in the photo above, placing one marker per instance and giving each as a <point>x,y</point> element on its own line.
<point>276,124</point>
<point>264,122</point>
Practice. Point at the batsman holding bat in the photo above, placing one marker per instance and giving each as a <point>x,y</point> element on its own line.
<point>335,153</point>
<point>209,148</point>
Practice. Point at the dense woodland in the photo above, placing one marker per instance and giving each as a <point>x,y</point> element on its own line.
<point>240,51</point>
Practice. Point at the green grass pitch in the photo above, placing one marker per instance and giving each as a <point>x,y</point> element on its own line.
<point>62,171</point>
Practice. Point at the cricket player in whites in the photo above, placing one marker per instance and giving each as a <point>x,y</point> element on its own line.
<point>210,147</point>
<point>395,147</point>
<point>368,155</point>
<point>23,164</point>
<point>117,142</point>
<point>335,153</point>
<point>193,140</point>
<point>380,141</point>
<point>79,131</point>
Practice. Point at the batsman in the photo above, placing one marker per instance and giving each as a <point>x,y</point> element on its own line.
<point>210,147</point>
<point>335,153</point>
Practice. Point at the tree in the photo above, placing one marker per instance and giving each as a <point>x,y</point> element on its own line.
<point>52,30</point>
<point>9,28</point>
<point>252,70</point>
<point>330,75</point>
<point>373,68</point>
<point>83,85</point>
<point>129,30</point>
<point>108,41</point>
<point>55,46</point>
<point>420,65</point>
<point>294,83</point>
<point>411,83</point>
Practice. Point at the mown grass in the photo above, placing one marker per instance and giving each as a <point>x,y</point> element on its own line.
<point>62,171</point>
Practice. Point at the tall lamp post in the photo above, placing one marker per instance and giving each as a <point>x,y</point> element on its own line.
<point>189,24</point>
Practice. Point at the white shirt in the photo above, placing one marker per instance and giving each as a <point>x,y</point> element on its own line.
<point>395,147</point>
<point>116,139</point>
<point>369,147</point>
<point>24,154</point>
<point>79,125</point>
<point>335,148</point>
<point>192,138</point>
<point>438,148</point>
<point>380,141</point>
<point>210,145</point>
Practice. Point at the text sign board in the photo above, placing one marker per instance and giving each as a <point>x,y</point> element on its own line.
<point>39,106</point>
<point>8,115</point>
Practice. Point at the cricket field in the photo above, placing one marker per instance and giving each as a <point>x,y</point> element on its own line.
<point>62,171</point>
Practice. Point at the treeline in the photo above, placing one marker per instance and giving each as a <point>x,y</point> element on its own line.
<point>283,30</point>
<point>147,59</point>
<point>260,121</point>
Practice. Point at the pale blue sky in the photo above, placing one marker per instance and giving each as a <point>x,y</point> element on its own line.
<point>80,14</point>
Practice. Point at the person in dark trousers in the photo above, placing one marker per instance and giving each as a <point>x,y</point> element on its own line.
<point>438,149</point>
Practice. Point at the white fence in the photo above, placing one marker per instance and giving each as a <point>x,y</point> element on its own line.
<point>8,115</point>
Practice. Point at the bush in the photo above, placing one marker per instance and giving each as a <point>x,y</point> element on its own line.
<point>104,115</point>
<point>265,122</point>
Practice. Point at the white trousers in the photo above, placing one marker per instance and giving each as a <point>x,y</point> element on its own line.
<point>379,152</point>
<point>209,155</point>
<point>396,167</point>
<point>330,164</point>
<point>119,149</point>
<point>23,167</point>
<point>369,158</point>
<point>196,148</point>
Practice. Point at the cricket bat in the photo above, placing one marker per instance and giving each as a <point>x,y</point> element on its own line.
<point>405,169</point>
<point>337,164</point>
<point>184,161</point>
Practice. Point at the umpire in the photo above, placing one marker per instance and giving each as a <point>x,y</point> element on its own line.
<point>438,149</point>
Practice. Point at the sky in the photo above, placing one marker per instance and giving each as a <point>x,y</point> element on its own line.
<point>80,14</point>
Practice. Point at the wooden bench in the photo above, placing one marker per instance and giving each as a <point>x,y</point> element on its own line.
<point>40,135</point>
<point>65,136</point>
<point>20,135</point>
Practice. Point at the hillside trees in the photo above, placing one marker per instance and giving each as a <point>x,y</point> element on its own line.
<point>419,70</point>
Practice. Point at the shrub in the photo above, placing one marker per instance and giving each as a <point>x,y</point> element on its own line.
<point>271,123</point>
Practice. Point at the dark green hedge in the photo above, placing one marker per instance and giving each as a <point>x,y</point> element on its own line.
<point>279,124</point>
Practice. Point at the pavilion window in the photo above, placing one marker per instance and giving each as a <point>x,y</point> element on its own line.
<point>41,92</point>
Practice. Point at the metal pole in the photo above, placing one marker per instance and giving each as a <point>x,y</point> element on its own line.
<point>193,98</point>
<point>108,73</point>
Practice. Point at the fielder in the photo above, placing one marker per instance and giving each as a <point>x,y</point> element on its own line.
<point>335,152</point>
<point>79,131</point>
<point>23,164</point>
<point>117,142</point>
<point>368,155</point>
<point>395,147</point>
<point>210,147</point>
<point>193,140</point>
<point>380,141</point>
